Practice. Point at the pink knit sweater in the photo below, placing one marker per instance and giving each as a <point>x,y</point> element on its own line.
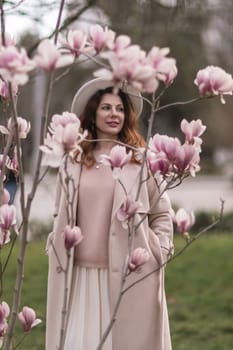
<point>94,216</point>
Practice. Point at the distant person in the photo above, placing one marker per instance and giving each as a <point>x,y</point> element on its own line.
<point>11,185</point>
<point>11,174</point>
<point>95,276</point>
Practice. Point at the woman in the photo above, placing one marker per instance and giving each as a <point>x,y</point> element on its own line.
<point>95,274</point>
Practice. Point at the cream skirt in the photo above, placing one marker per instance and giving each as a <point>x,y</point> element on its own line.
<point>89,310</point>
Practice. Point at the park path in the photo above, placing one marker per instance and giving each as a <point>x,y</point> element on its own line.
<point>204,193</point>
<point>200,193</point>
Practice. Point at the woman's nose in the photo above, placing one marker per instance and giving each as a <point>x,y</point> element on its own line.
<point>114,111</point>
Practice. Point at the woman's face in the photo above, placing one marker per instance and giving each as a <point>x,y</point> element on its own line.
<point>110,116</point>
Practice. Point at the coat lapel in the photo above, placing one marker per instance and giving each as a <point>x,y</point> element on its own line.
<point>72,172</point>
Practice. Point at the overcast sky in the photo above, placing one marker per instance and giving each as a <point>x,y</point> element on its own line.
<point>16,24</point>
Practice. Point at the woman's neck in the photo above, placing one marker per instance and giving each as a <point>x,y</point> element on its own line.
<point>104,146</point>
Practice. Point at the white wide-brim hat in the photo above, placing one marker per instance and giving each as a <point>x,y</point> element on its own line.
<point>87,90</point>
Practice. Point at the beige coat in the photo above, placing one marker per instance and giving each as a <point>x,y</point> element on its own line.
<point>142,321</point>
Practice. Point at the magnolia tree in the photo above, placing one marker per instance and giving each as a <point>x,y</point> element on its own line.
<point>168,158</point>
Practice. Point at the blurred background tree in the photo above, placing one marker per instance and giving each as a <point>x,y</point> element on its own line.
<point>198,33</point>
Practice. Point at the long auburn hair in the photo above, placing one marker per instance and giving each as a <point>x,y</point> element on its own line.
<point>128,135</point>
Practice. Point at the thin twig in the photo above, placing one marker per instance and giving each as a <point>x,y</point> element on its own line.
<point>62,3</point>
<point>179,103</point>
<point>9,253</point>
<point>20,341</point>
<point>65,300</point>
<point>60,268</point>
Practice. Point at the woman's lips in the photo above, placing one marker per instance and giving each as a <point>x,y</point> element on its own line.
<point>113,124</point>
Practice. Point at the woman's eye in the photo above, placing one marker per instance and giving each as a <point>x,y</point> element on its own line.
<point>108,108</point>
<point>105,108</point>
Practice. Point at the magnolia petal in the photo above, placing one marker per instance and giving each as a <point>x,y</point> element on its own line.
<point>51,159</point>
<point>116,172</point>
<point>36,322</point>
<point>4,130</point>
<point>64,61</point>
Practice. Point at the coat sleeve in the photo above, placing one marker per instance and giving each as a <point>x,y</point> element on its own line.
<point>160,221</point>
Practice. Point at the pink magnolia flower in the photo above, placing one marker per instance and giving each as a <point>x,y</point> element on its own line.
<point>117,159</point>
<point>72,236</point>
<point>127,209</point>
<point>121,42</point>
<point>130,65</point>
<point>4,89</point>
<point>138,258</point>
<point>11,163</point>
<point>99,38</point>
<point>172,157</point>
<point>1,164</point>
<point>3,330</point>
<point>64,137</point>
<point>15,65</point>
<point>183,158</point>
<point>165,144</point>
<point>183,220</point>
<point>194,165</point>
<point>63,120</point>
<point>48,56</point>
<point>192,129</point>
<point>62,141</point>
<point>27,318</point>
<point>75,42</point>
<point>23,127</point>
<point>167,71</point>
<point>143,78</point>
<point>214,80</point>
<point>7,220</point>
<point>165,67</point>
<point>158,163</point>
<point>52,152</point>
<point>7,216</point>
<point>4,311</point>
<point>156,55</point>
<point>5,197</point>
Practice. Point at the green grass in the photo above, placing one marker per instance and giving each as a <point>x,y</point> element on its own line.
<point>33,293</point>
<point>199,287</point>
<point>200,295</point>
